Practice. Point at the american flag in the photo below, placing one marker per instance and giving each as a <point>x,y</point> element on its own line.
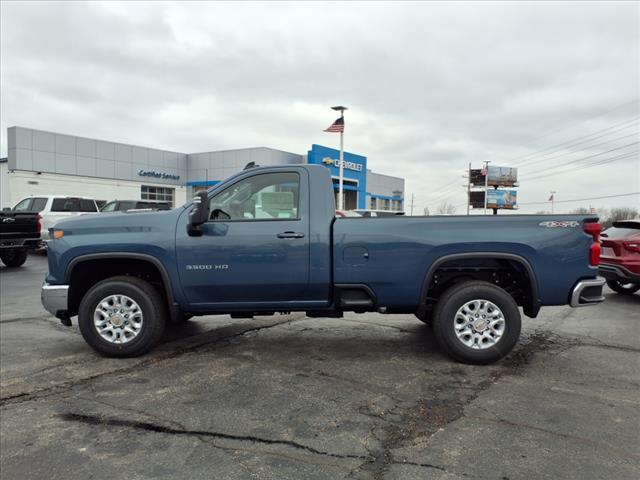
<point>483,172</point>
<point>550,198</point>
<point>337,126</point>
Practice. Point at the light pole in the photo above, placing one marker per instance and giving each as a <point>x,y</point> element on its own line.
<point>552,198</point>
<point>468,188</point>
<point>341,109</point>
<point>486,183</point>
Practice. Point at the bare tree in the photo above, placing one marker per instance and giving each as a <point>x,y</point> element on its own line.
<point>581,211</point>
<point>446,208</point>
<point>619,213</point>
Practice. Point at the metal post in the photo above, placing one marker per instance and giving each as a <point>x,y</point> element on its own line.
<point>553,199</point>
<point>340,189</point>
<point>468,188</point>
<point>411,205</point>
<point>486,183</point>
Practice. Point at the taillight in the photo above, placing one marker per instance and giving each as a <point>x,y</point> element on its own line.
<point>594,229</point>
<point>39,222</point>
<point>633,247</point>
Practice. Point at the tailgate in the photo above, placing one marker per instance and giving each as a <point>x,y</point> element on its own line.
<point>15,228</point>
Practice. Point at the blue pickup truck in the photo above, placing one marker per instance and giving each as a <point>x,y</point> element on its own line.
<point>267,240</point>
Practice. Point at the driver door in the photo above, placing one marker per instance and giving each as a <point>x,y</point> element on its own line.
<point>254,250</point>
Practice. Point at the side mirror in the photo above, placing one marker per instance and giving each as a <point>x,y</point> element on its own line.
<point>199,213</point>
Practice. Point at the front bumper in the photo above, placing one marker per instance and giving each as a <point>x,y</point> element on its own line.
<point>55,299</point>
<point>588,292</point>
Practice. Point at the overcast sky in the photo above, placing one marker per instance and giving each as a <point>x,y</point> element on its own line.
<point>430,86</point>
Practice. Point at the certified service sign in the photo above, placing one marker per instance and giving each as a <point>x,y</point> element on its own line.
<point>163,175</point>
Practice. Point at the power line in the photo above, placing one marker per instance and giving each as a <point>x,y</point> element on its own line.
<point>593,155</point>
<point>598,162</point>
<point>573,142</point>
<point>617,107</point>
<point>582,199</point>
<point>635,134</point>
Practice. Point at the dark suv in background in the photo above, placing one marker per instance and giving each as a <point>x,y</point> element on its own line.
<point>620,258</point>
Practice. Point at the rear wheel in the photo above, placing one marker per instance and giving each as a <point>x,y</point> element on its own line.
<point>122,317</point>
<point>627,288</point>
<point>476,322</point>
<point>14,258</point>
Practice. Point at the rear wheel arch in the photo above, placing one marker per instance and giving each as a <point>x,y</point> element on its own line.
<point>531,305</point>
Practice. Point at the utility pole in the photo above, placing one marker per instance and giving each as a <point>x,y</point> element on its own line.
<point>411,205</point>
<point>468,188</point>
<point>486,183</point>
<point>552,198</point>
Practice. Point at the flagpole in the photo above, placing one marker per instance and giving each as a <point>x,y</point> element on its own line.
<point>341,109</point>
<point>340,188</point>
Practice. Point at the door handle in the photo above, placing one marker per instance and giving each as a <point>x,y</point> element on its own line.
<point>290,235</point>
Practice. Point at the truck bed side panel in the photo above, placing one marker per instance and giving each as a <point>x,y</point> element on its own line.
<point>401,249</point>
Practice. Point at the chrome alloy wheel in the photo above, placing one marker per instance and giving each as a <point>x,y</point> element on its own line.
<point>118,319</point>
<point>479,324</point>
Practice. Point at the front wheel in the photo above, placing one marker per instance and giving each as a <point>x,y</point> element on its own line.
<point>14,258</point>
<point>122,317</point>
<point>476,322</point>
<point>623,288</point>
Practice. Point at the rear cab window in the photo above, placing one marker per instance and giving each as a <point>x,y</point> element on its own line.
<point>73,205</point>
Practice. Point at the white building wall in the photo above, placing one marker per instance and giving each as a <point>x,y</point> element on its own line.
<point>4,186</point>
<point>22,184</point>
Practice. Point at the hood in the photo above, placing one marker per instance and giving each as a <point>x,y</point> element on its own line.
<point>125,221</point>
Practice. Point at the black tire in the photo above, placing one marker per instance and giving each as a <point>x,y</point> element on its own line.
<point>14,258</point>
<point>444,321</point>
<point>151,304</point>
<point>623,288</point>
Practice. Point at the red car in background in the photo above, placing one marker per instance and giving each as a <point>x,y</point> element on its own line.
<point>620,257</point>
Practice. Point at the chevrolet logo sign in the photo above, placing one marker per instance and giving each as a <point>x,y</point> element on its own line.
<point>328,160</point>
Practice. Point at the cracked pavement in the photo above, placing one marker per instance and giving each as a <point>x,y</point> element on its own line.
<point>363,397</point>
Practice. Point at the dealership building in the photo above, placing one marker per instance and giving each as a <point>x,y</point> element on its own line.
<point>47,163</point>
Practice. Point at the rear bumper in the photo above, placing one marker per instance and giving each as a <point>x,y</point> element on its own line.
<point>588,292</point>
<point>55,299</point>
<point>618,272</point>
<point>22,243</point>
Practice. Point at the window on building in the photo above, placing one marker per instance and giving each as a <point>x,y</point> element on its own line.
<point>157,194</point>
<point>372,203</point>
<point>386,204</point>
<point>271,196</point>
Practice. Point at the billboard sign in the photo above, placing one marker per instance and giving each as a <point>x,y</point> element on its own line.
<point>476,199</point>
<point>502,176</point>
<point>498,177</point>
<point>502,199</point>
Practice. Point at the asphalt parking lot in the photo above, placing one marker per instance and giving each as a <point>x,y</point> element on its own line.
<point>365,397</point>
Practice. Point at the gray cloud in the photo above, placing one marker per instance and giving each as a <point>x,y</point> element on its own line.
<point>431,86</point>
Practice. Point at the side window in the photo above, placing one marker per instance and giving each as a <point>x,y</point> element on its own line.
<point>87,205</point>
<point>270,196</point>
<point>23,205</point>
<point>39,204</point>
<point>109,207</point>
<point>65,205</point>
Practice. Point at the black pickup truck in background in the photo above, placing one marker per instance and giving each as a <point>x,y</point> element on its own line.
<point>19,232</point>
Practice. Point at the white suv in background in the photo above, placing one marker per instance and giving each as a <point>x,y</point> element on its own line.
<point>53,208</point>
